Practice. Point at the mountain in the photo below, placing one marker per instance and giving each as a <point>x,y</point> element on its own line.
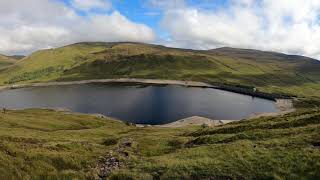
<point>267,71</point>
<point>6,61</point>
<point>53,144</point>
<point>11,58</point>
<point>17,57</point>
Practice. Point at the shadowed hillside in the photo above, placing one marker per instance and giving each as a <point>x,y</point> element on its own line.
<point>268,71</point>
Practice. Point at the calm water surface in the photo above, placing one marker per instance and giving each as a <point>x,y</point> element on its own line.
<point>144,105</point>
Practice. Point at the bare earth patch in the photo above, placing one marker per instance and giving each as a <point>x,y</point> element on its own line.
<point>195,120</point>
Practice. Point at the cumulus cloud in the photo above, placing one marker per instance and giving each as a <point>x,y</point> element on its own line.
<point>290,26</point>
<point>30,25</point>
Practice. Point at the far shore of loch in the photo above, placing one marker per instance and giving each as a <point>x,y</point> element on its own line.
<point>285,105</point>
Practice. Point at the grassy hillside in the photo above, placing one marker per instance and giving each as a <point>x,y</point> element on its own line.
<point>44,143</point>
<point>6,61</point>
<point>40,144</point>
<point>268,71</point>
<point>17,57</point>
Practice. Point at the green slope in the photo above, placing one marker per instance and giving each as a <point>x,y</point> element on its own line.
<point>44,144</point>
<point>268,71</point>
<point>17,57</point>
<point>6,61</point>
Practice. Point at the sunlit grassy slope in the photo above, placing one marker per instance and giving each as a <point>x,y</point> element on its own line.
<point>268,71</point>
<point>44,143</point>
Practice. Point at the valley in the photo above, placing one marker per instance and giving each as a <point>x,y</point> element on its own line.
<point>58,144</point>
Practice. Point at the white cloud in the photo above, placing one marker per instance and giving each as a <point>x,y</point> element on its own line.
<point>290,26</point>
<point>114,27</point>
<point>91,4</point>
<point>26,26</point>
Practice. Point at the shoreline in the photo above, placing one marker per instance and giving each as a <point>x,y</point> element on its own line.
<point>234,89</point>
<point>120,80</point>
<point>284,105</point>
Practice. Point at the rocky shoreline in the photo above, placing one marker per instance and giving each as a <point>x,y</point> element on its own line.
<point>230,88</point>
<point>120,80</point>
<point>285,105</point>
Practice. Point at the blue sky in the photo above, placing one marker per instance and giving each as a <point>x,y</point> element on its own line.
<point>142,11</point>
<point>288,26</point>
<point>135,10</point>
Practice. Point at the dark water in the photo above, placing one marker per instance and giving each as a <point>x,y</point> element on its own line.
<point>147,105</point>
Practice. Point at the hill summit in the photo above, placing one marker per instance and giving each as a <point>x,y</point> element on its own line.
<point>267,71</point>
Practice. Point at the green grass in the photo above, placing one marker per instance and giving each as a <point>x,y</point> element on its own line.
<point>269,72</point>
<point>45,143</point>
<point>60,58</point>
<point>6,61</point>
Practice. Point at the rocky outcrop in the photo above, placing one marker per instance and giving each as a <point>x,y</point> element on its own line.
<point>115,159</point>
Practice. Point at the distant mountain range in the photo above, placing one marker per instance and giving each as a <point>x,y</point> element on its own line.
<point>267,71</point>
<point>13,57</point>
<point>6,61</point>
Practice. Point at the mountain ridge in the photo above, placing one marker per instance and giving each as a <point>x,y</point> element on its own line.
<point>58,144</point>
<point>268,71</point>
<point>6,61</point>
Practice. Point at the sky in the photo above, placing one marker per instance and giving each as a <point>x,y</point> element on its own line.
<point>288,26</point>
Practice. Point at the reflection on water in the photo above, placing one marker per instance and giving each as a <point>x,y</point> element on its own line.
<point>147,105</point>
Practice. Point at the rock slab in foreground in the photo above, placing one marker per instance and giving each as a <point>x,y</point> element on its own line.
<point>195,120</point>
